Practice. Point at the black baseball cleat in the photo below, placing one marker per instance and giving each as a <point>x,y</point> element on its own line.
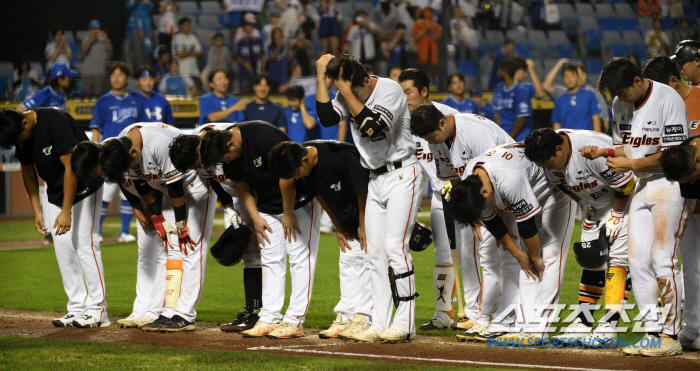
<point>155,325</point>
<point>251,319</point>
<point>177,324</point>
<point>240,318</point>
<point>65,321</point>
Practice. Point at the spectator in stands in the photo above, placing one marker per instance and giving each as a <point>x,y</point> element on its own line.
<point>512,103</point>
<point>555,91</point>
<point>273,23</point>
<point>386,16</point>
<point>250,56</point>
<point>219,56</point>
<point>138,30</point>
<point>53,95</point>
<point>399,47</point>
<point>463,35</point>
<point>261,108</point>
<point>426,32</point>
<point>161,64</point>
<point>656,38</point>
<point>57,50</point>
<point>360,41</point>
<point>484,109</point>
<point>25,82</point>
<point>684,32</point>
<point>278,59</point>
<point>167,26</point>
<point>395,71</point>
<point>291,16</point>
<point>187,49</point>
<point>329,27</point>
<point>298,120</point>
<point>505,52</point>
<point>240,32</point>
<point>648,8</point>
<point>578,108</point>
<point>522,68</point>
<point>173,83</point>
<point>296,74</point>
<point>309,18</point>
<point>457,100</point>
<point>302,52</point>
<point>633,58</point>
<point>662,51</point>
<point>95,53</point>
<point>157,108</point>
<point>218,106</point>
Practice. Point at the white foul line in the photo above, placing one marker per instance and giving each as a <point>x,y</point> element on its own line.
<point>382,356</point>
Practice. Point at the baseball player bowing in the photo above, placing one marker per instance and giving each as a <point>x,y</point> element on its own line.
<point>504,179</point>
<point>604,193</point>
<point>286,221</point>
<point>73,209</point>
<point>334,174</point>
<point>415,84</point>
<point>141,152</point>
<point>184,153</point>
<point>454,141</point>
<point>150,272</point>
<point>647,118</point>
<point>380,127</point>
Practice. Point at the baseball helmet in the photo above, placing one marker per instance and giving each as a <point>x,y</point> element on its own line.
<point>592,254</point>
<point>421,238</point>
<point>230,248</point>
<point>686,50</point>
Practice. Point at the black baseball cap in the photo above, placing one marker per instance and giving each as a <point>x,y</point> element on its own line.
<point>686,50</point>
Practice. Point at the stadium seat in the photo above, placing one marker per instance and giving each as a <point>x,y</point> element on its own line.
<point>6,68</point>
<point>344,8</point>
<point>624,10</point>
<point>68,36</point>
<point>494,37</point>
<point>588,23</point>
<point>607,24</point>
<point>594,37</point>
<point>593,80</point>
<point>81,35</point>
<point>75,49</point>
<point>632,37</point>
<point>585,10</point>
<point>569,20</point>
<point>211,22</point>
<point>211,7</point>
<point>484,49</point>
<point>565,50</point>
<point>566,11</point>
<point>594,66</point>
<point>4,85</point>
<point>524,49</point>
<point>468,68</point>
<point>612,37</point>
<point>645,23</point>
<point>365,6</point>
<point>605,10</point>
<point>556,37</point>
<point>615,2</point>
<point>516,36</point>
<point>37,67</point>
<point>155,22</point>
<point>640,49</point>
<point>627,24</point>
<point>188,7</point>
<point>667,24</point>
<point>617,49</point>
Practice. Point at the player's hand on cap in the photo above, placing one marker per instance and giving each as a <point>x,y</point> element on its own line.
<point>62,223</point>
<point>446,189</point>
<point>233,217</point>
<point>321,64</point>
<point>592,152</point>
<point>289,223</point>
<point>343,237</point>
<point>163,228</point>
<point>183,237</point>
<point>261,227</point>
<point>39,224</point>
<point>620,164</point>
<point>614,224</point>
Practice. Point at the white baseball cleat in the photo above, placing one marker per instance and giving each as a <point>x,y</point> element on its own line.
<point>88,321</point>
<point>336,328</point>
<point>472,333</point>
<point>127,322</point>
<point>576,330</point>
<point>100,239</point>
<point>602,335</point>
<point>688,343</point>
<point>668,347</point>
<point>463,324</point>
<point>632,350</point>
<point>357,325</point>
<point>65,321</point>
<point>440,320</point>
<point>143,321</point>
<point>368,335</point>
<point>125,237</point>
<point>396,333</point>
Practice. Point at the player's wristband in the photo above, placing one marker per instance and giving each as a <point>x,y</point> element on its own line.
<point>611,152</point>
<point>180,212</point>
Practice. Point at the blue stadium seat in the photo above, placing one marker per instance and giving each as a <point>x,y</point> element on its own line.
<point>667,24</point>
<point>524,49</point>
<point>565,50</point>
<point>607,24</point>
<point>594,37</point>
<point>627,24</point>
<point>640,49</point>
<point>468,68</point>
<point>75,49</point>
<point>617,49</point>
<point>594,66</point>
<point>605,10</point>
<point>484,49</point>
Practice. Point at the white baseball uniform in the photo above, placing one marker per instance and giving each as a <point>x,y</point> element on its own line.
<point>595,183</point>
<point>521,187</point>
<point>658,212</point>
<point>393,201</point>
<point>158,171</point>
<point>473,136</point>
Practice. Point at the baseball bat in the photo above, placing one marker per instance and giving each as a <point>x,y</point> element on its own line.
<point>460,302</point>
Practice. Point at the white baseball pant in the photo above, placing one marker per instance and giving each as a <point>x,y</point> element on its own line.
<point>657,218</point>
<point>691,278</point>
<point>539,299</point>
<point>200,201</point>
<point>393,200</point>
<point>110,190</point>
<point>80,259</point>
<point>355,292</point>
<point>302,265</point>
<point>468,256</point>
<point>443,255</point>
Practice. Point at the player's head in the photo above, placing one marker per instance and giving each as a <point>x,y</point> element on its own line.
<point>184,152</point>
<point>570,75</point>
<point>467,200</point>
<point>416,86</point>
<point>218,82</point>
<point>289,160</point>
<point>119,75</point>
<point>429,123</point>
<point>623,79</point>
<point>687,56</point>
<point>582,75</point>
<point>681,163</point>
<point>61,76</point>
<point>261,85</point>
<point>85,160</point>
<point>295,97</point>
<point>457,83</point>
<point>144,79</point>
<point>116,157</point>
<point>662,69</point>
<point>353,71</point>
<point>216,147</point>
<point>545,148</point>
<point>395,72</point>
<point>506,70</point>
<point>13,128</point>
<point>520,67</point>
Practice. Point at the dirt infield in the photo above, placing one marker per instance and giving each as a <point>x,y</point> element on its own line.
<point>432,350</point>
